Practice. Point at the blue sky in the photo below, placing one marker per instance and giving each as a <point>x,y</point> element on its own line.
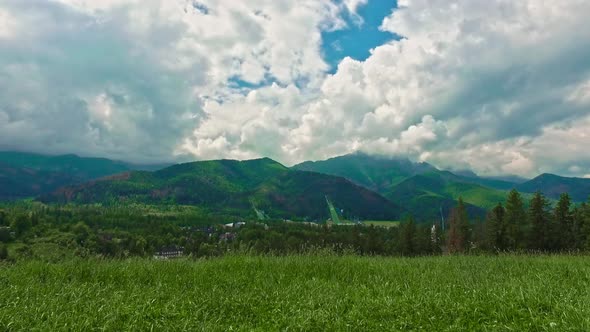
<point>358,39</point>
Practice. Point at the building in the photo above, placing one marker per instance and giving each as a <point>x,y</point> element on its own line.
<point>235,225</point>
<point>169,252</point>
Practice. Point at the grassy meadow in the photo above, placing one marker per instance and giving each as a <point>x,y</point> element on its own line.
<point>301,293</point>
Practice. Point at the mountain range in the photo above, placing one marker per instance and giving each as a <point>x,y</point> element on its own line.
<point>362,186</point>
<point>27,174</point>
<point>235,188</point>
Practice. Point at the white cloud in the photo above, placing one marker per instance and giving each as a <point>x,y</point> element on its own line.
<point>353,5</point>
<point>498,86</point>
<point>464,66</point>
<point>580,94</point>
<point>128,78</point>
<point>8,25</point>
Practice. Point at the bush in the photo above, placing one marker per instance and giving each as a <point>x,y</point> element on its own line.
<point>21,224</point>
<point>5,234</point>
<point>3,252</point>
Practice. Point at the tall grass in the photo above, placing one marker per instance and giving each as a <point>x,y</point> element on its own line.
<point>312,292</point>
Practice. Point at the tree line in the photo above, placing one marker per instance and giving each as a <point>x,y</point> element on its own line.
<point>512,226</point>
<point>81,230</point>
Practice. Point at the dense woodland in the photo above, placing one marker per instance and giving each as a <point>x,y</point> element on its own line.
<point>53,232</point>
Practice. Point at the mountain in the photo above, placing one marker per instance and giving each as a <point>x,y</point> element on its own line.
<point>493,183</point>
<point>419,188</point>
<point>17,182</point>
<point>465,173</point>
<point>233,188</point>
<point>376,173</point>
<point>85,168</point>
<point>553,185</point>
<point>425,195</point>
<point>508,178</point>
<point>502,183</point>
<point>27,174</point>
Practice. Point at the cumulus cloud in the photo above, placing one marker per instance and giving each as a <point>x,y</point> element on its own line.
<point>128,79</point>
<point>497,86</point>
<point>480,85</point>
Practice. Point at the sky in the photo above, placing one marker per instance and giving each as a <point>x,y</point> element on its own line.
<point>497,86</point>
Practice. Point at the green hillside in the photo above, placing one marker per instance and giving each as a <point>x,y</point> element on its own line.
<point>16,182</point>
<point>27,174</point>
<point>375,173</point>
<point>419,188</point>
<point>427,194</point>
<point>234,187</point>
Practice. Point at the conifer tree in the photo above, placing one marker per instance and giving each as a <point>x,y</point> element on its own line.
<point>515,225</point>
<point>581,226</point>
<point>495,228</point>
<point>407,237</point>
<point>539,218</point>
<point>585,227</point>
<point>458,238</point>
<point>435,240</point>
<point>579,234</point>
<point>563,217</point>
<point>422,240</point>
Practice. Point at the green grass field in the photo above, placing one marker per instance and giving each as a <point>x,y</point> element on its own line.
<point>301,293</point>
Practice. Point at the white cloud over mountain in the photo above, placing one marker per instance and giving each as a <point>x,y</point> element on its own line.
<point>497,86</point>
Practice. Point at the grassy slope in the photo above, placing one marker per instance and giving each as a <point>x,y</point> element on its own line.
<point>300,293</point>
<point>424,194</point>
<point>448,185</point>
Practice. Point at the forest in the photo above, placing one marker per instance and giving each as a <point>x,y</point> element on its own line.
<point>32,230</point>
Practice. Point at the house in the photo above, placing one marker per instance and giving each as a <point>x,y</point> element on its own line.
<point>169,252</point>
<point>235,225</point>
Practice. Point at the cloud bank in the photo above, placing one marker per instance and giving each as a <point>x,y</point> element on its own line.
<point>497,86</point>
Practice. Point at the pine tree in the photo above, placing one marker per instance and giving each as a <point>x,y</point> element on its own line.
<point>539,218</point>
<point>585,227</point>
<point>563,232</point>
<point>435,240</point>
<point>407,237</point>
<point>515,225</point>
<point>579,226</point>
<point>495,228</point>
<point>458,238</point>
<point>478,233</point>
<point>422,240</point>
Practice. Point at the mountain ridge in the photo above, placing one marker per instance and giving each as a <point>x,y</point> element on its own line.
<point>419,189</point>
<point>234,187</point>
<point>553,186</point>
